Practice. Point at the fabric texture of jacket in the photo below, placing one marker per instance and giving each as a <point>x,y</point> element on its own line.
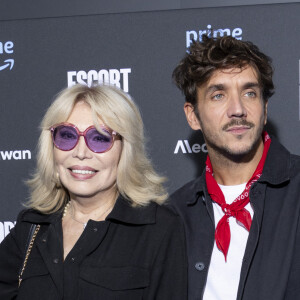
<point>136,253</point>
<point>271,264</point>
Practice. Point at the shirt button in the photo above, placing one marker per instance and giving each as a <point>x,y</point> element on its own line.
<point>55,260</point>
<point>95,229</point>
<point>199,266</point>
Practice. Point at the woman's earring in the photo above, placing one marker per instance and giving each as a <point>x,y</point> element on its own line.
<point>57,181</point>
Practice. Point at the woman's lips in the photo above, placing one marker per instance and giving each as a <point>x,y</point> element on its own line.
<point>82,172</point>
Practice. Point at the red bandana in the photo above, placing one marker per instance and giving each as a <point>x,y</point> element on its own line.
<point>236,209</point>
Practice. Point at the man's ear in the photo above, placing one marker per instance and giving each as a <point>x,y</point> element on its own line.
<point>191,116</point>
<point>266,112</point>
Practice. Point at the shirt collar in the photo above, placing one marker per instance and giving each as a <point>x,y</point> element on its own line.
<point>123,212</point>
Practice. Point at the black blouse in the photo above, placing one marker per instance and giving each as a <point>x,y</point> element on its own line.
<point>136,253</point>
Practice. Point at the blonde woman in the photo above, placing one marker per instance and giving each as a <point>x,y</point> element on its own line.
<point>94,219</point>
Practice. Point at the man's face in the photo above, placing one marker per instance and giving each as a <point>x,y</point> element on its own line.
<point>231,112</point>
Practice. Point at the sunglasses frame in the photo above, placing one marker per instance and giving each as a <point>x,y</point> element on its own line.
<point>113,133</point>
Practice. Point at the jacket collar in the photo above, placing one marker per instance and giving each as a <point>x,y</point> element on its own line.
<point>276,170</point>
<point>277,166</point>
<point>122,212</point>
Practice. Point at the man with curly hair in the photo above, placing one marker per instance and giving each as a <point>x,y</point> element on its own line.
<point>241,216</point>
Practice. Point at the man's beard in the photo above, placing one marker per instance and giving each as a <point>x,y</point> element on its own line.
<point>242,155</point>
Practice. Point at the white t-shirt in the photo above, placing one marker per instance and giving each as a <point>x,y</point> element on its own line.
<point>224,276</point>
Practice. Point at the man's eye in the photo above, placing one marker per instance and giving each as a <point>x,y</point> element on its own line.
<point>218,97</point>
<point>251,94</point>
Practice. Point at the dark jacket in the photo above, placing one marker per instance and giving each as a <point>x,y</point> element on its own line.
<point>136,253</point>
<point>271,263</point>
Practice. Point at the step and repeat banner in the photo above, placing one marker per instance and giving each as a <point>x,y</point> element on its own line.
<point>137,52</point>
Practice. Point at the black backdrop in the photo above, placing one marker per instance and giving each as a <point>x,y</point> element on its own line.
<point>38,54</point>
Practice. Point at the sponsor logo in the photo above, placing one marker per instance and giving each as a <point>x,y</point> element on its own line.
<point>210,32</point>
<point>111,76</point>
<point>15,154</point>
<point>184,147</point>
<point>5,228</point>
<point>6,48</point>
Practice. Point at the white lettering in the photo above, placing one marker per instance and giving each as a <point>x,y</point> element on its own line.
<point>125,73</point>
<point>185,147</point>
<point>71,82</point>
<point>6,155</point>
<point>91,77</point>
<point>24,152</point>
<point>5,228</point>
<point>189,39</point>
<point>81,76</point>
<point>115,77</point>
<point>6,47</point>
<point>18,154</point>
<point>103,77</point>
<point>210,32</point>
<point>181,146</point>
<point>1,232</point>
<point>188,146</point>
<point>196,148</point>
<point>221,32</point>
<point>237,33</point>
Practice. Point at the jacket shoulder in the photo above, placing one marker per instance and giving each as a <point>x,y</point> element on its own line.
<point>184,194</point>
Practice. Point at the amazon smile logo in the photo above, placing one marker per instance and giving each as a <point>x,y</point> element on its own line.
<point>6,48</point>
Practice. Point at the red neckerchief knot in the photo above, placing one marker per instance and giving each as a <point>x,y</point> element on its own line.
<point>237,208</point>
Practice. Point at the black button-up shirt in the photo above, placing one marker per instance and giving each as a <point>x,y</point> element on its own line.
<point>136,253</point>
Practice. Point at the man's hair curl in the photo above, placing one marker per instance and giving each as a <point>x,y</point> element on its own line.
<point>203,58</point>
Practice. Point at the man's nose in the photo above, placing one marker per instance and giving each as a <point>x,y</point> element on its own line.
<point>236,107</point>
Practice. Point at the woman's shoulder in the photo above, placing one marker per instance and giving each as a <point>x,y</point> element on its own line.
<point>33,216</point>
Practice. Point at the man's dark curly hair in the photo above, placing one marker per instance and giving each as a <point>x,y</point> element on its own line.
<point>202,59</point>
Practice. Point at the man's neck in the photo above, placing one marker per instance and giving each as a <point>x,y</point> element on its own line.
<point>229,172</point>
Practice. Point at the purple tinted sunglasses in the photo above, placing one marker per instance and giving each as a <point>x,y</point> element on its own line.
<point>65,137</point>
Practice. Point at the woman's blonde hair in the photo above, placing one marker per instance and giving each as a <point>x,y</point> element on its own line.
<point>136,179</point>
